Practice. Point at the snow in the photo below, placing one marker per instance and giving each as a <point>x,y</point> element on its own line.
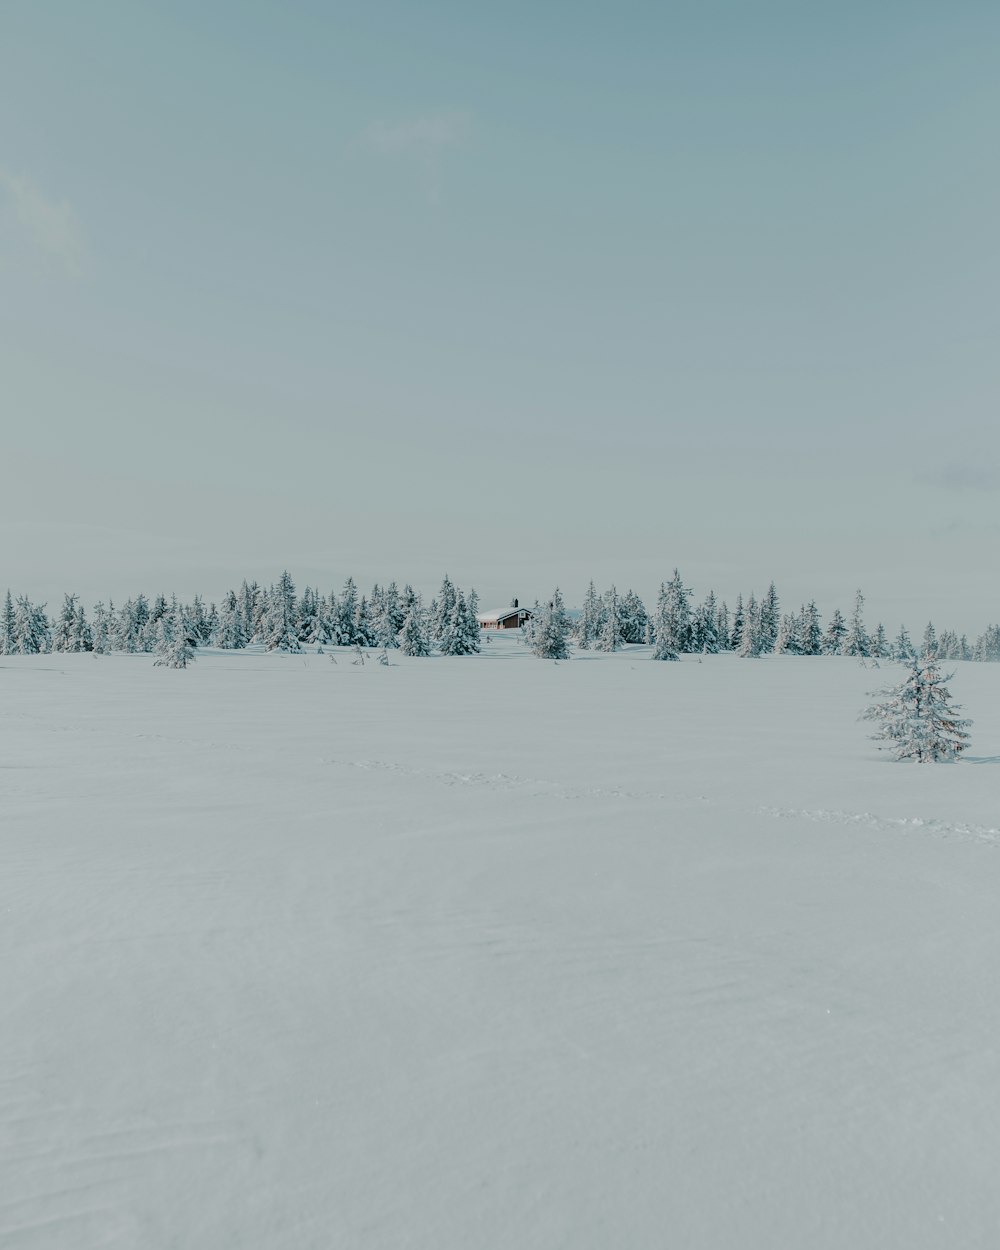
<point>308,955</point>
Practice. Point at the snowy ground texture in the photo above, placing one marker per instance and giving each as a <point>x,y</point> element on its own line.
<point>465,954</point>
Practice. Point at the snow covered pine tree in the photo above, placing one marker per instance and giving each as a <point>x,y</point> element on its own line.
<point>175,644</point>
<point>916,718</point>
<point>551,634</point>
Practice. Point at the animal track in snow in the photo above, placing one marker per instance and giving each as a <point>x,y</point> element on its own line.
<point>937,828</point>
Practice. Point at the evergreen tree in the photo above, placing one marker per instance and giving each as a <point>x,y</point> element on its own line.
<point>750,637</point>
<point>916,718</point>
<point>408,600</point>
<point>531,626</point>
<point>902,648</point>
<point>30,634</point>
<point>673,615</point>
<point>387,615</point>
<point>610,638</point>
<point>787,641</point>
<point>249,599</point>
<point>7,627</point>
<point>230,634</point>
<point>327,613</point>
<point>663,632</point>
<point>261,613</point>
<point>150,632</point>
<point>443,615</point>
<point>198,621</point>
<point>395,612</point>
<point>810,630</point>
<point>987,645</point>
<point>551,633</point>
<point>307,628</point>
<point>722,627</point>
<point>634,618</point>
<point>588,627</point>
<point>63,631</point>
<point>473,633</point>
<point>175,641</point>
<point>836,632</point>
<point>137,622</point>
<point>930,640</point>
<point>706,627</point>
<point>121,627</point>
<point>769,620</point>
<point>856,641</point>
<point>880,648</point>
<point>413,636</point>
<point>101,632</point>
<point>459,633</point>
<point>280,632</point>
<point>82,639</point>
<point>362,623</point>
<point>736,636</point>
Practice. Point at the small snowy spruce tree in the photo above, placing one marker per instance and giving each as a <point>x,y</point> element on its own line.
<point>63,632</point>
<point>836,632</point>
<point>751,638</point>
<point>736,633</point>
<point>634,618</point>
<point>987,645</point>
<point>770,613</point>
<point>930,645</point>
<point>706,626</point>
<point>722,626</point>
<point>413,637</point>
<point>856,641</point>
<point>30,634</point>
<point>880,643</point>
<point>916,719</point>
<point>903,648</point>
<point>667,647</point>
<point>673,615</point>
<point>787,641</point>
<point>551,633</point>
<point>612,629</point>
<point>588,626</point>
<point>7,626</point>
<point>101,629</point>
<point>810,630</point>
<point>175,643</point>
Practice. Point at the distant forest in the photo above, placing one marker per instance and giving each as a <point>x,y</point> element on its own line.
<point>279,618</point>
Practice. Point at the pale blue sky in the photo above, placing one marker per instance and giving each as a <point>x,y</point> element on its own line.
<point>527,293</point>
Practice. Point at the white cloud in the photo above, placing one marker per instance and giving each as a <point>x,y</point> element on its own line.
<point>52,226</point>
<point>420,136</point>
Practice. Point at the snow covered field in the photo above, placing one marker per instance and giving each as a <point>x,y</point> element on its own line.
<point>492,953</point>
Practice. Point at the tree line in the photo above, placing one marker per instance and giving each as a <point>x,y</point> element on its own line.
<point>275,617</point>
<point>280,618</point>
<point>678,625</point>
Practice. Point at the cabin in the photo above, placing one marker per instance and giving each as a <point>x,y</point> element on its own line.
<point>511,618</point>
